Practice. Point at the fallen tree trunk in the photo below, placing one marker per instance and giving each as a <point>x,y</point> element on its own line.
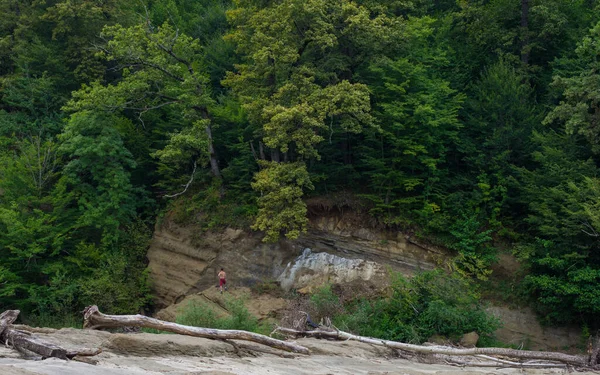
<point>94,319</point>
<point>23,340</point>
<point>510,353</point>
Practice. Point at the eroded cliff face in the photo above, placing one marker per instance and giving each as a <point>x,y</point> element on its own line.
<point>347,236</point>
<point>185,261</point>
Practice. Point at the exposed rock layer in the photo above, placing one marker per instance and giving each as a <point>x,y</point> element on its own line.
<point>184,263</point>
<point>311,269</point>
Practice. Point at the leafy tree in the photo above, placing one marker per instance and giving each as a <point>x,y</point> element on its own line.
<point>99,194</point>
<point>562,193</point>
<point>296,81</point>
<point>160,68</point>
<point>579,108</point>
<point>417,113</point>
<point>281,208</point>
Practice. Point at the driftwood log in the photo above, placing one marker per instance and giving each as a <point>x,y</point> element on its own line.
<point>23,340</point>
<point>449,352</point>
<point>94,319</point>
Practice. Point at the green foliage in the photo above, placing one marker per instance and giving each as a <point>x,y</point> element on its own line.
<point>120,283</point>
<point>475,255</point>
<point>579,108</point>
<point>562,195</point>
<point>199,314</point>
<point>101,192</point>
<point>417,110</point>
<point>280,207</point>
<point>431,303</point>
<point>325,303</point>
<point>461,121</point>
<point>295,85</point>
<point>207,209</point>
<point>563,286</point>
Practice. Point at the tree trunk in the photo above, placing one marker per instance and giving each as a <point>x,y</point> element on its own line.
<point>24,340</point>
<point>253,151</point>
<point>214,163</point>
<point>261,150</point>
<point>275,155</point>
<point>512,353</point>
<point>94,319</point>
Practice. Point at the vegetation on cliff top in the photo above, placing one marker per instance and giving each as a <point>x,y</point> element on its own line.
<point>469,121</point>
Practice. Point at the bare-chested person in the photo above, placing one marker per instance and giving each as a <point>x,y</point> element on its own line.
<point>222,280</point>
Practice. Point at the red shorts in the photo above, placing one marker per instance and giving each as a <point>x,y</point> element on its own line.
<point>222,282</point>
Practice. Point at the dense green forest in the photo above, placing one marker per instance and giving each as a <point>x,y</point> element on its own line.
<point>473,123</point>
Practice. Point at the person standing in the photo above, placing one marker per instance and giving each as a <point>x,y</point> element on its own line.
<point>222,280</point>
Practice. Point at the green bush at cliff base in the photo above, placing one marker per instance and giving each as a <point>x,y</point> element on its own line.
<point>431,303</point>
<point>199,314</point>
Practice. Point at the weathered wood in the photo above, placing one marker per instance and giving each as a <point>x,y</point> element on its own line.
<point>24,341</point>
<point>495,364</point>
<point>504,352</point>
<point>7,318</point>
<point>94,319</point>
<point>595,354</point>
<point>83,353</point>
<point>87,360</point>
<point>23,327</point>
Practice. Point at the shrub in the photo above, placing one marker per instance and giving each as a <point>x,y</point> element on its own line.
<point>199,314</point>
<point>475,253</point>
<point>431,303</point>
<point>325,303</point>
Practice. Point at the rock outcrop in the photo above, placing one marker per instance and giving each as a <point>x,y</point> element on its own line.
<point>314,269</point>
<point>185,261</point>
<point>347,236</point>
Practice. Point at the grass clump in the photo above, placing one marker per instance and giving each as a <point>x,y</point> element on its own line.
<point>200,314</point>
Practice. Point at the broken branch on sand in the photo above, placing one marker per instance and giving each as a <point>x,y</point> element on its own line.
<point>94,319</point>
<point>564,359</point>
<point>24,341</point>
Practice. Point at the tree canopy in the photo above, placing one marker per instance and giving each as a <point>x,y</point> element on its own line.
<point>472,123</point>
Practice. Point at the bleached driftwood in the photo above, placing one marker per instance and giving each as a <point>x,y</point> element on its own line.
<point>565,359</point>
<point>94,319</point>
<point>22,340</point>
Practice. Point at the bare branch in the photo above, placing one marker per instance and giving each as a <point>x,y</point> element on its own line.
<point>592,231</point>
<point>186,185</point>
